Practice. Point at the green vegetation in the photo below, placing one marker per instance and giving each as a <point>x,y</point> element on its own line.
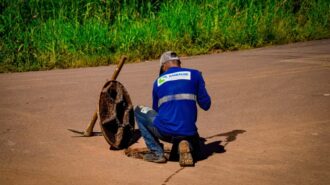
<point>46,34</point>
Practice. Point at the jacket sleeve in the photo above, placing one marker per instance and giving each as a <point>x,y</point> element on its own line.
<point>203,98</point>
<point>154,98</point>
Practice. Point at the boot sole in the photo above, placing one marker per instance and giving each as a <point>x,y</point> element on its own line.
<point>186,158</point>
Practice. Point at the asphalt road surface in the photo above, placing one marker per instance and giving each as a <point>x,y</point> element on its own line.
<point>270,112</point>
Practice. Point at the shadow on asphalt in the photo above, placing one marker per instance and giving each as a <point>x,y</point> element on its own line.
<point>206,149</point>
<point>217,146</point>
<point>210,148</point>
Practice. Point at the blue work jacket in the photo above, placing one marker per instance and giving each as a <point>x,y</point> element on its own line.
<point>175,94</point>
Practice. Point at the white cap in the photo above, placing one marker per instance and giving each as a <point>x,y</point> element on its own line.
<point>168,56</point>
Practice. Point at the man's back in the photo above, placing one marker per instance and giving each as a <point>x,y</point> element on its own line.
<point>174,98</point>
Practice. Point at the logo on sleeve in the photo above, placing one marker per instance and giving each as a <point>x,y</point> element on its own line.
<point>183,75</point>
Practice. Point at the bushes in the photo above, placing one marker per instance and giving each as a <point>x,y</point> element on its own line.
<point>46,34</point>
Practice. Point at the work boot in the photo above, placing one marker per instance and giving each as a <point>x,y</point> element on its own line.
<point>186,158</point>
<point>152,157</point>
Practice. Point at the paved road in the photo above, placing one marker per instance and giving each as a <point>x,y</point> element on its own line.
<point>270,112</point>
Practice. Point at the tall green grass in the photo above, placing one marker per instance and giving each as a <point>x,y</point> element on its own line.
<point>46,34</point>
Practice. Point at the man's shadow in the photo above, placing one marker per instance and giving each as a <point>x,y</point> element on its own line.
<point>202,149</point>
<point>206,150</point>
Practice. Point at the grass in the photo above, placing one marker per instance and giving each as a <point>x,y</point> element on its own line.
<point>47,34</point>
